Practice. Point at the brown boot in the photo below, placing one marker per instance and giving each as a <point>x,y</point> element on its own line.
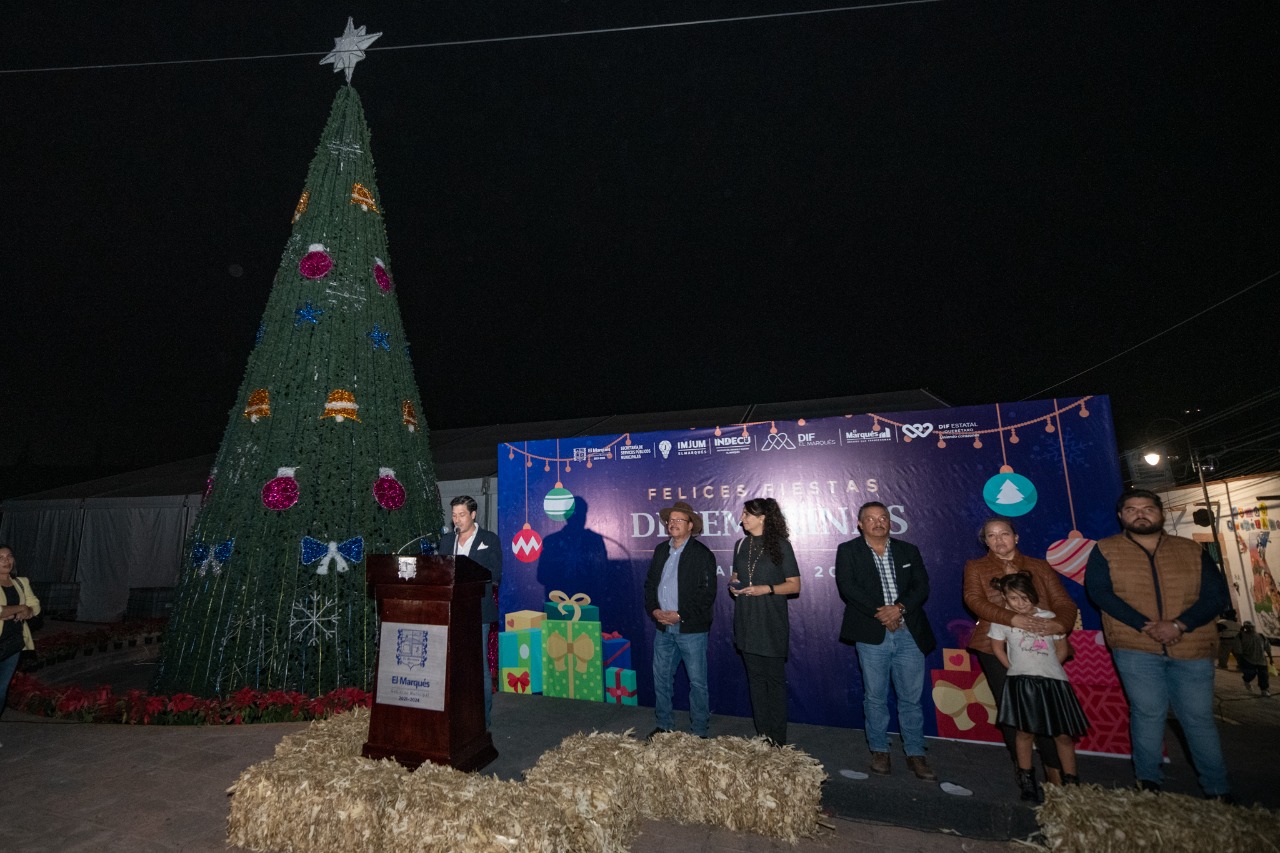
<point>880,763</point>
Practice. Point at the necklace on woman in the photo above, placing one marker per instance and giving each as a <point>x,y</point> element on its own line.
<point>753,558</point>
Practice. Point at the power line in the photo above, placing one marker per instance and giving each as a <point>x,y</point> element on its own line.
<point>1264,280</point>
<point>477,41</point>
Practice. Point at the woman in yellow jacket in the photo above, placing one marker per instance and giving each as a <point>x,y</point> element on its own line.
<point>19,605</point>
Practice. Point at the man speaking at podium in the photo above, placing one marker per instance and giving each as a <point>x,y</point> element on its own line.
<point>468,539</point>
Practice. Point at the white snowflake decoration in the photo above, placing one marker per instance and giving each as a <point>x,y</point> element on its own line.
<point>314,619</point>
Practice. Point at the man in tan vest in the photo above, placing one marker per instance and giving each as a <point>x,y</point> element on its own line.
<point>1160,596</point>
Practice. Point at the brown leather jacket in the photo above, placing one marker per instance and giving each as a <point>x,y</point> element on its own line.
<point>988,604</point>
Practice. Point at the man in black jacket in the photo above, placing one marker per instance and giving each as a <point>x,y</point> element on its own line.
<point>469,539</point>
<point>678,593</point>
<point>884,587</point>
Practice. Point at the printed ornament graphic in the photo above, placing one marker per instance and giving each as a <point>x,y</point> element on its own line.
<point>341,405</point>
<point>1010,494</point>
<point>527,545</point>
<point>281,491</point>
<point>559,503</point>
<point>259,405</point>
<point>316,263</point>
<point>381,276</point>
<point>387,490</point>
<point>1070,556</point>
<point>409,415</point>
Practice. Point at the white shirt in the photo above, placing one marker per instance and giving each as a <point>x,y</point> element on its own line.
<point>1030,654</point>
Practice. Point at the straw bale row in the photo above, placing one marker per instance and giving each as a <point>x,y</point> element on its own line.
<point>734,783</point>
<point>1093,819</point>
<point>588,794</point>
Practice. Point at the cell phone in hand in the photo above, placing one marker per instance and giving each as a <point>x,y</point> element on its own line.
<point>737,585</point>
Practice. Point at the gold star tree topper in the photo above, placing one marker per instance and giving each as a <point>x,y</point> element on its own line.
<point>348,49</point>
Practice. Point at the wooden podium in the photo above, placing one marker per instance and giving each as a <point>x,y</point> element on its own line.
<point>426,596</point>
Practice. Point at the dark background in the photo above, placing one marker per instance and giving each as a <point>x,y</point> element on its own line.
<point>983,199</point>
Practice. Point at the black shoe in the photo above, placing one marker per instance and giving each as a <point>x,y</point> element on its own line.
<point>1031,791</point>
<point>1070,779</point>
<point>1148,785</point>
<point>1222,798</point>
<point>657,731</point>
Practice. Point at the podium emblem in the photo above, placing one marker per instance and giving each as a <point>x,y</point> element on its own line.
<point>408,568</point>
<point>411,648</point>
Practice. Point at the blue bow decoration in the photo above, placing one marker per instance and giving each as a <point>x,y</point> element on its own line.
<point>331,553</point>
<point>205,559</point>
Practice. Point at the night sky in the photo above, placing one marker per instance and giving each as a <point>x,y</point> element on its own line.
<point>981,199</point>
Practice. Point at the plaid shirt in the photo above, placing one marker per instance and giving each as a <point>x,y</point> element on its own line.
<point>888,579</point>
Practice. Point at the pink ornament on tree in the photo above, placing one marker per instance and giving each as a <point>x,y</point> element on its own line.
<point>316,263</point>
<point>380,275</point>
<point>281,491</point>
<point>387,490</point>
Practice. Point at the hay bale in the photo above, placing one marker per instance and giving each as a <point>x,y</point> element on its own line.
<point>1080,818</point>
<point>594,778</point>
<point>320,802</point>
<point>341,734</point>
<point>442,810</point>
<point>738,784</point>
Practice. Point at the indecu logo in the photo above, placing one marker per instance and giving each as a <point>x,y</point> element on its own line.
<point>777,441</point>
<point>916,430</point>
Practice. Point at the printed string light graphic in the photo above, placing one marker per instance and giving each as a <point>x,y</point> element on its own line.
<point>526,545</point>
<point>1007,492</point>
<point>1069,556</point>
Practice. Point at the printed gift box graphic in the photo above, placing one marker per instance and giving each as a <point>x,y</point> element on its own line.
<point>577,608</point>
<point>617,651</point>
<point>515,680</point>
<point>521,651</point>
<point>957,660</point>
<point>523,620</point>
<point>1108,715</point>
<point>571,660</point>
<point>964,706</point>
<point>1091,664</point>
<point>620,685</point>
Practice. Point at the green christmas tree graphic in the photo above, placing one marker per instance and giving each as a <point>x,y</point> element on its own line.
<point>324,459</point>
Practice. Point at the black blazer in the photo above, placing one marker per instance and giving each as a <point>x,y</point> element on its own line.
<point>859,583</point>
<point>696,585</point>
<point>487,551</point>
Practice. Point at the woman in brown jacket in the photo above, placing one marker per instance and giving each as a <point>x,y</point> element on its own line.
<point>1004,558</point>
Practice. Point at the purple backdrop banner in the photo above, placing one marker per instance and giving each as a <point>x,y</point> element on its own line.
<point>1050,464</point>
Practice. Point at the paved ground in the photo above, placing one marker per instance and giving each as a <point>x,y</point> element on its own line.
<point>116,788</point>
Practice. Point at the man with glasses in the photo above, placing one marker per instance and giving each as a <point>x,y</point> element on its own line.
<point>1159,596</point>
<point>884,586</point>
<point>678,593</point>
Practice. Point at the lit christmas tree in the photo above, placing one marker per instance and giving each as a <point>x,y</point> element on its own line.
<point>324,459</point>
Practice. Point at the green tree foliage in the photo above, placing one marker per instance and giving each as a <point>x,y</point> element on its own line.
<point>272,593</point>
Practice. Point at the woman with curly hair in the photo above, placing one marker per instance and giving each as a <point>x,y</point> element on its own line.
<point>764,574</point>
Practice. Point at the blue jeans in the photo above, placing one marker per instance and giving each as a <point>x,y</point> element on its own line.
<point>668,650</point>
<point>1155,682</point>
<point>897,657</point>
<point>7,668</point>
